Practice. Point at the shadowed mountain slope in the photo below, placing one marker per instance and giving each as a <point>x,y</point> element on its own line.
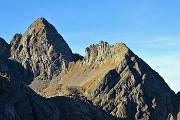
<point>73,108</point>
<point>19,102</point>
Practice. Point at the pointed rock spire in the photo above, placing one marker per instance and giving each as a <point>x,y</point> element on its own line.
<point>41,50</point>
<point>40,26</point>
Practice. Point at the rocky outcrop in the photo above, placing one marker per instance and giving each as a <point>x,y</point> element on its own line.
<point>98,53</point>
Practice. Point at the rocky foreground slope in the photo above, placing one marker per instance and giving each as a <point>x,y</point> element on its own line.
<point>110,80</point>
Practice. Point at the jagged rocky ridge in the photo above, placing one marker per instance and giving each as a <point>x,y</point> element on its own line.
<point>111,76</point>
<point>117,80</point>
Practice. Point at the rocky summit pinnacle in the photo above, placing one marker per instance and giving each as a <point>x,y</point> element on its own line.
<point>42,51</point>
<point>40,27</point>
<point>110,82</point>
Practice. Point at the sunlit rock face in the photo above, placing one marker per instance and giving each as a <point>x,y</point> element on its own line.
<point>42,51</point>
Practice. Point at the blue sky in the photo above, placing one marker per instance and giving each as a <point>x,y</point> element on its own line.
<point>151,28</point>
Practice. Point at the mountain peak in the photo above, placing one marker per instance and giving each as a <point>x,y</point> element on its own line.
<point>41,21</point>
<point>41,50</point>
<point>41,26</point>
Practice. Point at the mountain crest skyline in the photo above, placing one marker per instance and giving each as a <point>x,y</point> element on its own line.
<point>111,77</point>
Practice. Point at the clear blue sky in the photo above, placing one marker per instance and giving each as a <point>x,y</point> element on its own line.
<point>151,28</point>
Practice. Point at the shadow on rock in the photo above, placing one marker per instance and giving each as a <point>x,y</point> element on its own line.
<point>15,70</point>
<point>77,109</point>
<point>19,102</point>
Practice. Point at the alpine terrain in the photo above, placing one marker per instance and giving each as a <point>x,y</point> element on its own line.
<point>42,79</point>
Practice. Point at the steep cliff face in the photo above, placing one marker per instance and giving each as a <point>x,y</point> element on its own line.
<point>118,81</point>
<point>42,51</point>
